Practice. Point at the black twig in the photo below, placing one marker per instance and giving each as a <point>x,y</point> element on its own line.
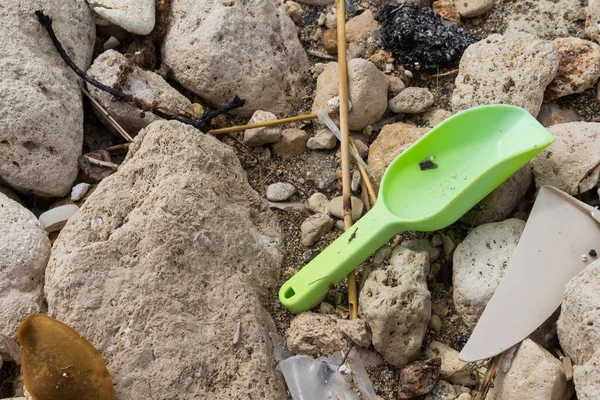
<point>203,123</point>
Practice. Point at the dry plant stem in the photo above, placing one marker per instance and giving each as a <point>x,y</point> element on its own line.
<point>263,124</point>
<point>108,117</point>
<point>343,82</point>
<point>102,163</point>
<point>124,146</point>
<point>488,378</point>
<point>454,71</point>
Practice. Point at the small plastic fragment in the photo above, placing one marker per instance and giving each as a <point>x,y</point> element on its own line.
<point>55,219</point>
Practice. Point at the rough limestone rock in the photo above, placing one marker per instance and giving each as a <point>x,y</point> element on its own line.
<point>547,19</point>
<point>579,322</point>
<point>361,25</point>
<point>135,16</point>
<point>479,265</point>
<point>293,142</point>
<point>314,335</point>
<point>533,374</point>
<point>396,304</point>
<point>25,250</point>
<point>587,378</point>
<point>498,205</point>
<point>513,68</point>
<point>592,20</point>
<point>41,113</point>
<point>578,67</point>
<point>435,116</point>
<point>219,49</point>
<point>452,369</point>
<point>145,85</point>
<point>367,91</point>
<point>160,265</point>
<point>473,8</point>
<point>566,162</point>
<point>412,100</point>
<point>391,141</point>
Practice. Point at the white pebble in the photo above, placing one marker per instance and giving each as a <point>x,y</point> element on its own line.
<point>79,191</point>
<point>111,44</point>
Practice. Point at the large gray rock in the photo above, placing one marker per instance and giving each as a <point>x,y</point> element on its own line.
<point>396,304</point>
<point>41,113</point>
<point>25,250</point>
<point>498,205</point>
<point>160,265</point>
<point>513,68</point>
<point>570,163</point>
<point>145,85</point>
<point>479,265</point>
<point>547,19</point>
<point>219,49</point>
<point>367,90</point>
<point>533,374</point>
<point>579,323</point>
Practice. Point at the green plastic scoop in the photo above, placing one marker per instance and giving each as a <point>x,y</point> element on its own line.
<point>427,187</point>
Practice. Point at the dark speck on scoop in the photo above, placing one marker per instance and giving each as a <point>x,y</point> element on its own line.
<point>426,165</point>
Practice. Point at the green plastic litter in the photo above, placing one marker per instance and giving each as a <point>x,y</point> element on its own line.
<point>426,188</point>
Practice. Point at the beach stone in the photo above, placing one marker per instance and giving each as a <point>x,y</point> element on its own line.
<point>79,191</point>
<point>396,304</point>
<point>255,42</point>
<point>422,245</point>
<point>434,117</point>
<point>323,140</point>
<point>578,67</point>
<point>25,250</point>
<point>396,85</point>
<point>418,378</point>
<point>171,253</point>
<point>135,16</point>
<point>361,25</point>
<point>592,20</point>
<point>41,112</point>
<point>292,143</point>
<point>294,10</point>
<point>412,100</point>
<point>566,162</point>
<point>145,85</point>
<point>280,191</point>
<point>367,90</point>
<point>314,334</point>
<point>473,8</point>
<point>513,68</point>
<point>548,19</point>
<point>318,203</point>
<point>479,265</point>
<point>447,10</point>
<point>533,374</point>
<point>330,41</point>
<point>551,114</point>
<point>587,378</point>
<point>391,141</point>
<point>578,325</point>
<point>452,369</point>
<point>336,207</point>
<point>314,227</point>
<point>498,205</point>
<point>258,136</point>
<point>356,330</point>
<point>442,391</point>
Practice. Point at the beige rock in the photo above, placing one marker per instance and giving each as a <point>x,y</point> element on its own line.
<point>579,323</point>
<point>259,136</point>
<point>318,203</point>
<point>412,100</point>
<point>566,162</point>
<point>314,227</point>
<point>336,207</point>
<point>391,141</point>
<point>587,378</point>
<point>473,8</point>
<point>367,91</point>
<point>533,374</point>
<point>361,25</point>
<point>330,41</point>
<point>292,143</point>
<point>25,250</point>
<point>546,18</point>
<point>41,123</point>
<point>217,36</point>
<point>592,20</point>
<point>551,114</point>
<point>280,191</point>
<point>498,205</point>
<point>294,10</point>
<point>396,304</point>
<point>315,334</point>
<point>446,10</point>
<point>135,16</point>
<point>145,85</point>
<point>175,258</point>
<point>479,265</point>
<point>323,140</point>
<point>422,245</point>
<point>396,85</point>
<point>441,391</point>
<point>435,323</point>
<point>453,370</point>
<point>578,68</point>
<point>513,68</point>
<point>356,330</point>
<point>316,2</point>
<point>435,116</point>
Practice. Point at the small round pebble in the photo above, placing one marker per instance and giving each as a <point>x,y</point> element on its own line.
<point>280,191</point>
<point>355,183</point>
<point>79,191</point>
<point>111,44</point>
<point>317,203</point>
<point>336,207</point>
<point>435,323</point>
<point>325,308</point>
